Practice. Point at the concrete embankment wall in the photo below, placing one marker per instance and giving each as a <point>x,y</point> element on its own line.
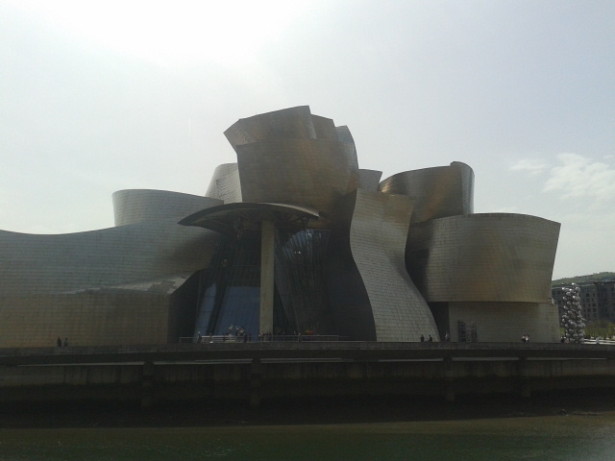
<point>257,373</point>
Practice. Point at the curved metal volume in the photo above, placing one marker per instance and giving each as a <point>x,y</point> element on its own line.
<point>438,192</point>
<point>484,257</point>
<point>293,237</point>
<point>378,234</point>
<point>131,206</point>
<point>291,156</point>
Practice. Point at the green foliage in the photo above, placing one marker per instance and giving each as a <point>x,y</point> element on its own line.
<point>600,329</point>
<point>581,279</point>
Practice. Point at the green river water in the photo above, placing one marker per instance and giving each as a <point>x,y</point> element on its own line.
<point>557,437</point>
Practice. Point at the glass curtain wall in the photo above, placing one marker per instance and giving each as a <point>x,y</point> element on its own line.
<point>229,301</point>
<point>299,273</point>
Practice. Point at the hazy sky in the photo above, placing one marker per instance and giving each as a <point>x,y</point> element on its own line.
<point>97,96</point>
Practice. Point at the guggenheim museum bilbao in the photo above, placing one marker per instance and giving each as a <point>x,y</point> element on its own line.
<point>292,239</point>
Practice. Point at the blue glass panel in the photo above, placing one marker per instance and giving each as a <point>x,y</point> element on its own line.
<point>240,309</point>
<point>206,307</point>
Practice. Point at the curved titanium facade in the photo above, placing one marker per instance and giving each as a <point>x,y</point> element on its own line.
<point>369,180</point>
<point>138,254</point>
<point>137,205</point>
<point>294,237</point>
<point>438,192</point>
<point>378,232</point>
<point>224,184</point>
<point>484,257</point>
<point>294,123</point>
<point>122,285</point>
<point>293,157</point>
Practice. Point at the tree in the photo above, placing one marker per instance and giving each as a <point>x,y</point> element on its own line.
<point>572,317</point>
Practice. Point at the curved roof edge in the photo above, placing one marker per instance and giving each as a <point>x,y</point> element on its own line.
<point>496,215</point>
<point>223,218</point>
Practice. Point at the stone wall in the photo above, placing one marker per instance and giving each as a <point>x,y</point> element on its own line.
<point>85,319</point>
<point>506,322</point>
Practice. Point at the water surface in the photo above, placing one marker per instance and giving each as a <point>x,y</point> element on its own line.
<point>556,437</point>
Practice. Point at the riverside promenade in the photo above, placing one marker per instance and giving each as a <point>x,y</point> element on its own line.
<point>264,371</point>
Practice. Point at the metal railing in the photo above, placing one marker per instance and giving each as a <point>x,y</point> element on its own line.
<point>211,339</point>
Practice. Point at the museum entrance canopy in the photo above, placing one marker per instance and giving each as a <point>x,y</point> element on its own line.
<point>227,219</point>
<point>235,220</point>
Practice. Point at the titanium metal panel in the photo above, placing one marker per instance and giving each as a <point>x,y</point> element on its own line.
<point>111,286</point>
<point>369,180</point>
<point>131,206</point>
<point>86,318</point>
<point>312,173</point>
<point>142,257</point>
<point>345,137</point>
<point>324,128</point>
<point>498,322</point>
<point>225,184</point>
<point>438,192</point>
<point>483,257</point>
<point>291,156</point>
<point>292,123</point>
<point>292,167</point>
<point>377,239</point>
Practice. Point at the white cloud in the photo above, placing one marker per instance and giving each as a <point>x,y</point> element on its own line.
<point>172,33</point>
<point>581,177</point>
<point>532,166</point>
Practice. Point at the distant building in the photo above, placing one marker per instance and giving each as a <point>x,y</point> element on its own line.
<point>606,299</point>
<point>597,299</point>
<point>293,239</point>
